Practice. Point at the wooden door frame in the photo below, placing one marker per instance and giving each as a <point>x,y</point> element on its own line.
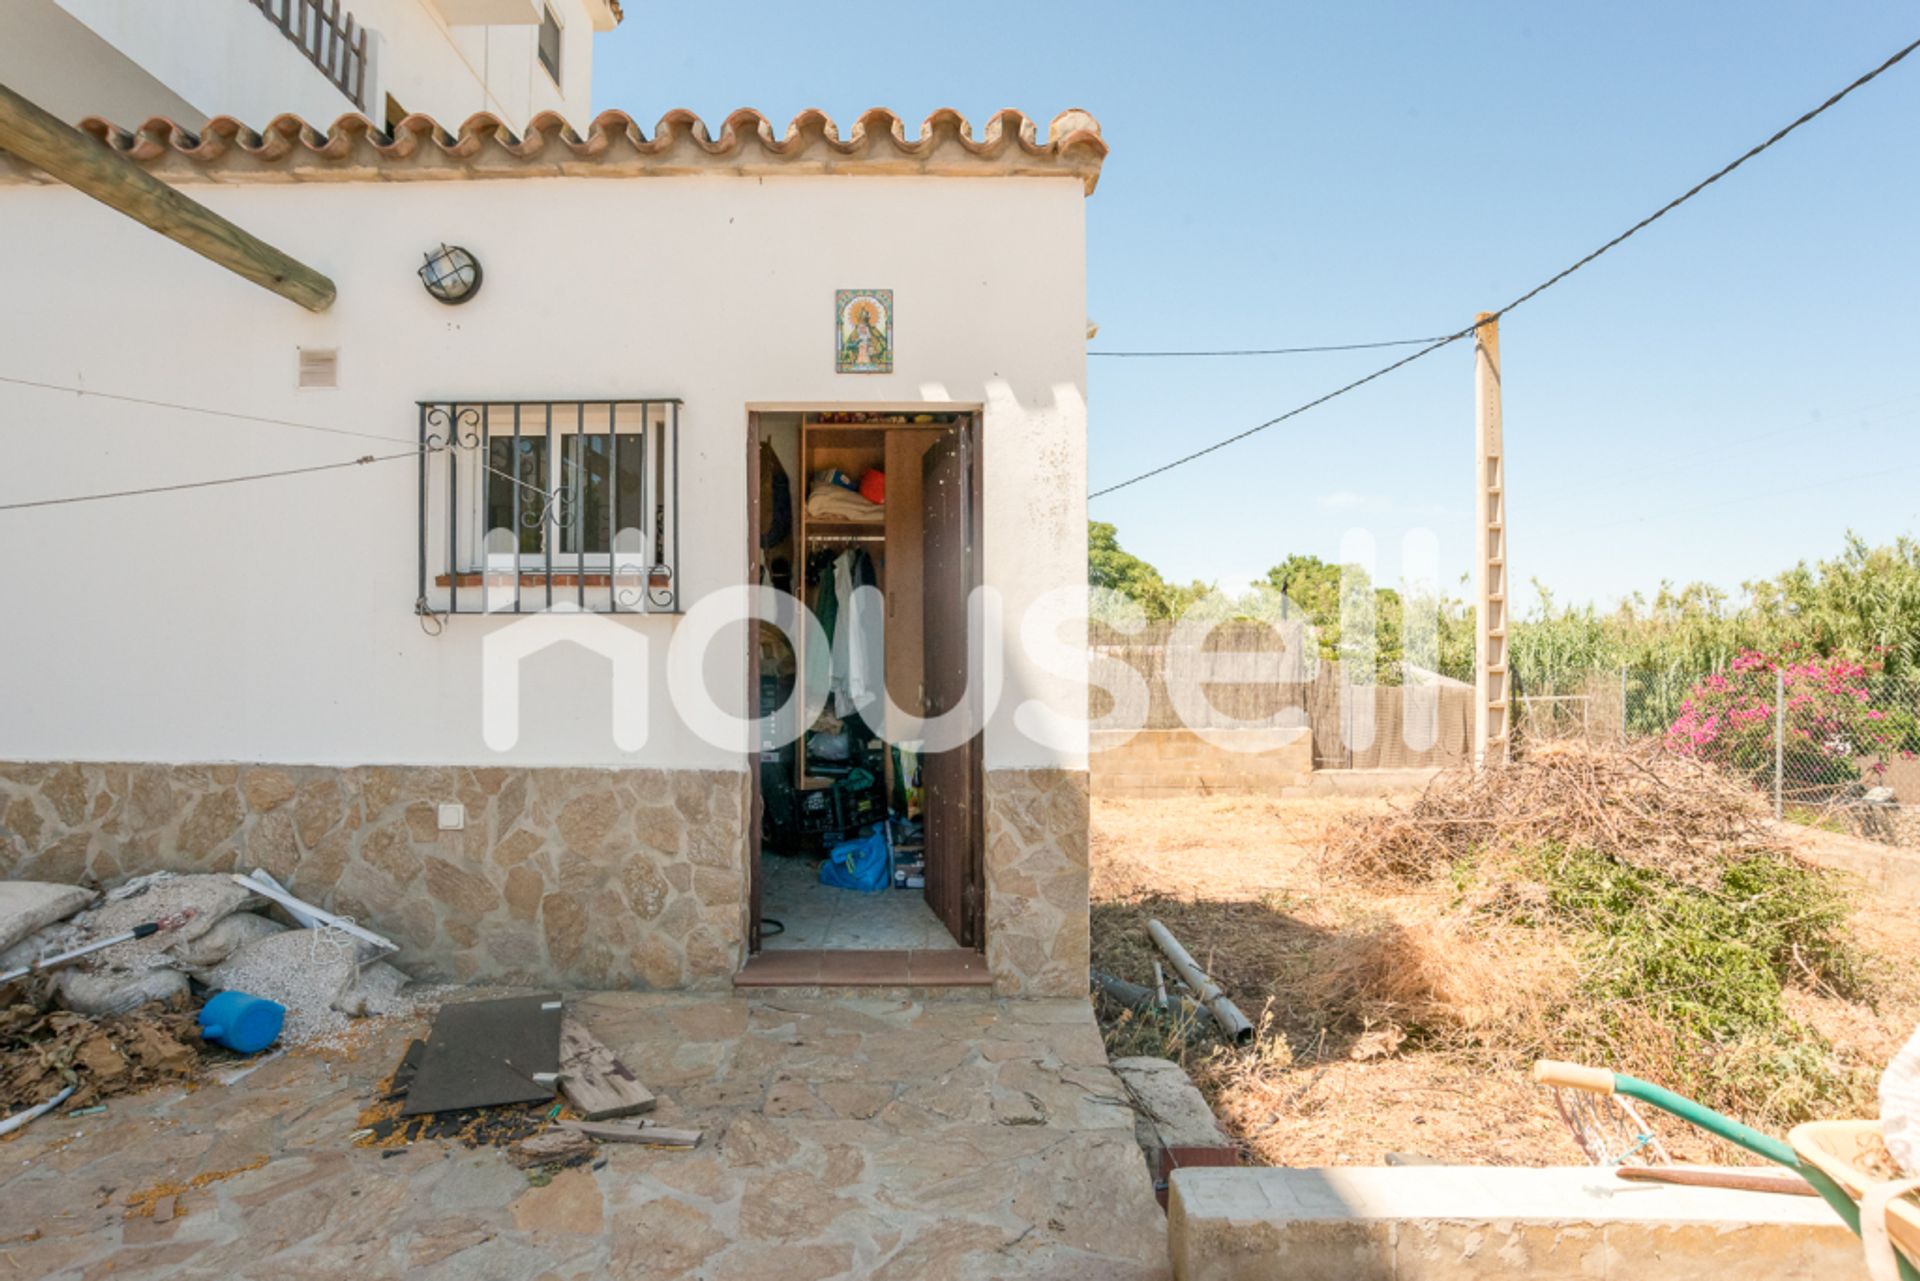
<point>972,429</point>
<point>756,803</point>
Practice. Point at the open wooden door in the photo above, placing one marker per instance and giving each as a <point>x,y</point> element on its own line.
<point>955,885</point>
<point>759,500</point>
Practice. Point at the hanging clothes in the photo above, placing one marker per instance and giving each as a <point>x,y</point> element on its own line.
<point>866,635</point>
<point>819,673</point>
<point>859,637</point>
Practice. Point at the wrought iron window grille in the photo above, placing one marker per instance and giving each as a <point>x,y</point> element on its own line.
<point>528,506</point>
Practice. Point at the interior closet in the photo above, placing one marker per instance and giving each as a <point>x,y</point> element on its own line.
<point>846,502</point>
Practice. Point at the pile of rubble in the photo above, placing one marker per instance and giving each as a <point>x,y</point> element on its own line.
<point>121,1013</point>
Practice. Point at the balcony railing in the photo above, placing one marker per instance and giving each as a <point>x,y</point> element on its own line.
<point>333,43</point>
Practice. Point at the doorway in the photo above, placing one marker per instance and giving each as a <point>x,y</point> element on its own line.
<point>863,840</point>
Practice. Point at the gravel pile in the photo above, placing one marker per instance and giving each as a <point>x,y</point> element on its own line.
<point>322,976</point>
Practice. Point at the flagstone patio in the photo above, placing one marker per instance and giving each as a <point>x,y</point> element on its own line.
<point>844,1137</point>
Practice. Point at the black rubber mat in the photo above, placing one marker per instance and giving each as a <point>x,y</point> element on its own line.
<point>483,1053</point>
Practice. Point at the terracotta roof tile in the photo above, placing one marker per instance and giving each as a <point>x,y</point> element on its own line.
<point>289,149</point>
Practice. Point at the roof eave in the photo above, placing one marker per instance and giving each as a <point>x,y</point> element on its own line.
<point>355,149</point>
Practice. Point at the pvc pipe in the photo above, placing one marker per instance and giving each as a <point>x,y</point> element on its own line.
<point>1135,997</point>
<point>19,1119</point>
<point>1233,1024</point>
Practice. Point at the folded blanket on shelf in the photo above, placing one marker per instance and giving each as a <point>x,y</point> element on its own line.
<point>831,502</point>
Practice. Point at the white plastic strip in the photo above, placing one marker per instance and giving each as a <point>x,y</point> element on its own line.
<point>310,916</point>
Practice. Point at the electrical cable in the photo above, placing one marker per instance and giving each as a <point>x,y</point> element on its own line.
<point>1278,351</point>
<point>361,461</point>
<point>201,409</point>
<point>548,496</point>
<point>1530,294</point>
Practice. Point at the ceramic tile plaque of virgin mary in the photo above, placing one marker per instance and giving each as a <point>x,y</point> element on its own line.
<point>863,331</point>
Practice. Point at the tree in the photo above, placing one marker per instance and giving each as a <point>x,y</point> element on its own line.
<point>1323,592</point>
<point>1864,601</point>
<point>1112,566</point>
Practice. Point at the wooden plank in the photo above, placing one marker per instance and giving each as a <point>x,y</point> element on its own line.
<point>597,1083</point>
<point>645,1132</point>
<point>89,165</point>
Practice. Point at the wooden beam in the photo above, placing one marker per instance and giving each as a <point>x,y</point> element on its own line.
<point>89,165</point>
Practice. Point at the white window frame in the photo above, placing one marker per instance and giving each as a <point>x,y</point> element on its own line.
<point>554,72</point>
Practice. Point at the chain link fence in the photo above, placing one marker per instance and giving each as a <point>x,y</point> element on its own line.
<point>1830,743</point>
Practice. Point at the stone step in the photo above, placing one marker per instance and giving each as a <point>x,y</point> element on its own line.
<point>1443,1223</point>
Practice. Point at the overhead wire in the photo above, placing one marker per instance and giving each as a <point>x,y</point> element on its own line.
<point>1275,351</point>
<point>1432,345</point>
<point>201,409</point>
<point>549,496</point>
<point>361,461</point>
<point>1530,294</point>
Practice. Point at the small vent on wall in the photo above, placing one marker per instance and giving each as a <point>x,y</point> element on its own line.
<point>319,367</point>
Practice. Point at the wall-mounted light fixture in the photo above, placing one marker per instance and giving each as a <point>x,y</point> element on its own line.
<point>451,274</point>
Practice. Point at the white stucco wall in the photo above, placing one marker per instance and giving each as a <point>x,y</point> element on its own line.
<point>273,621</point>
<point>190,60</point>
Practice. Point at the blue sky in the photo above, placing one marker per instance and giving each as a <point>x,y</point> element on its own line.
<point>1728,393</point>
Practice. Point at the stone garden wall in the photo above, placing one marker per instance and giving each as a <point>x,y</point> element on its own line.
<point>588,878</point>
<point>577,877</point>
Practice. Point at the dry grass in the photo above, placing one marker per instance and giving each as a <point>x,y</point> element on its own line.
<point>1401,1001</point>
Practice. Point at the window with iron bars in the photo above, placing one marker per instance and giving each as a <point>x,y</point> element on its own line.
<point>532,505</point>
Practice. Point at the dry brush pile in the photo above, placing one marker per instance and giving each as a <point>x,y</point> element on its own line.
<point>1640,805</point>
<point>1610,904</point>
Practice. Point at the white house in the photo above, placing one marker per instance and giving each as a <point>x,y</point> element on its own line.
<point>453,657</point>
<point>189,61</point>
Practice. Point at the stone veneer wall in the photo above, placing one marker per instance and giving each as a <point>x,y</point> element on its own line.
<point>1037,890</point>
<point>579,877</point>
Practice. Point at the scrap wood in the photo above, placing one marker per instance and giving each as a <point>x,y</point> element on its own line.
<point>597,1083</point>
<point>642,1132</point>
<point>44,1051</point>
<point>554,1147</point>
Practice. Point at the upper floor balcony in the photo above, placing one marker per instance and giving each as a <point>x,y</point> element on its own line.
<point>330,39</point>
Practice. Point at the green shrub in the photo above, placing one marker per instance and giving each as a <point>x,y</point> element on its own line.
<point>1684,985</point>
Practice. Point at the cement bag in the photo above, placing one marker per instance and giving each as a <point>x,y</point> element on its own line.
<point>113,991</point>
<point>859,865</point>
<point>227,936</point>
<point>1900,1106</point>
<point>26,906</point>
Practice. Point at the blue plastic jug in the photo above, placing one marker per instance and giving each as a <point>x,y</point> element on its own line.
<point>244,1024</point>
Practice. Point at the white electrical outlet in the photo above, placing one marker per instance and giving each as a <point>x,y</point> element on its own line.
<point>453,817</point>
